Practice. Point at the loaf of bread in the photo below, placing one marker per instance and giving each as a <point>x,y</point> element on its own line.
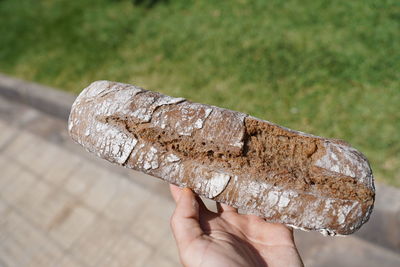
<point>285,176</point>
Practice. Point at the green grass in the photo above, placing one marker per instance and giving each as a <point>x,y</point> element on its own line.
<point>331,68</point>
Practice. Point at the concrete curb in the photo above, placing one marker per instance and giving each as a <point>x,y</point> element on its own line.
<point>382,229</point>
<point>49,100</point>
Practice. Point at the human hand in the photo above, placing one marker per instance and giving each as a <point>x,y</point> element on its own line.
<point>227,238</point>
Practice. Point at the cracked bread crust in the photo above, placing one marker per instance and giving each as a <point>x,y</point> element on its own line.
<point>284,176</point>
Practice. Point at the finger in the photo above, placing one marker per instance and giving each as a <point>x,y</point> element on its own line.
<point>274,233</point>
<point>185,220</point>
<point>221,207</point>
<point>175,191</point>
<point>278,227</point>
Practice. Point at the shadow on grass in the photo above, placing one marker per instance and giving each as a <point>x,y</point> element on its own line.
<point>148,3</point>
<point>143,3</point>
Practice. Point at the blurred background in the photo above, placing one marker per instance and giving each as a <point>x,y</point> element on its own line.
<point>330,68</point>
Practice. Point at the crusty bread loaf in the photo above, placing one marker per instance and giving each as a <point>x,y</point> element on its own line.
<point>285,176</point>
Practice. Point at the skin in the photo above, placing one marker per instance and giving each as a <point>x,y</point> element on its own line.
<point>227,238</point>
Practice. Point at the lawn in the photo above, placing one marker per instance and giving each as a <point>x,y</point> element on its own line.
<point>331,68</point>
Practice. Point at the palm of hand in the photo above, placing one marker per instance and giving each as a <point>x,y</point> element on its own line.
<point>226,238</point>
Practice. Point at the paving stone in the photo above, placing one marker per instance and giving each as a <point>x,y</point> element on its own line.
<point>68,261</point>
<point>3,209</point>
<point>70,225</point>
<point>4,126</point>
<point>53,209</point>
<point>80,181</point>
<point>102,192</point>
<point>161,261</point>
<point>7,133</point>
<point>44,255</point>
<point>352,251</point>
<point>25,147</point>
<point>33,152</point>
<point>47,127</point>
<point>152,222</point>
<point>11,253</point>
<point>127,202</point>
<point>61,169</point>
<point>167,248</point>
<point>158,186</point>
<point>26,246</point>
<point>3,163</point>
<point>8,170</point>
<point>40,157</point>
<point>17,185</point>
<point>22,140</point>
<point>33,202</point>
<point>45,205</point>
<point>309,243</point>
<point>96,241</point>
<point>127,252</point>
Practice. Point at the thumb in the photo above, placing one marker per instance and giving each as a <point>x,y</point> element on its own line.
<point>185,220</point>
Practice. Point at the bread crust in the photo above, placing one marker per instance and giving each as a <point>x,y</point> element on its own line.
<point>285,176</point>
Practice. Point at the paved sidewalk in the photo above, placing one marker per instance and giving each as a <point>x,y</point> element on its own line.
<point>58,207</point>
<point>61,206</point>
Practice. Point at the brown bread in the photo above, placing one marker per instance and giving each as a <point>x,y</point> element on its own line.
<point>285,176</point>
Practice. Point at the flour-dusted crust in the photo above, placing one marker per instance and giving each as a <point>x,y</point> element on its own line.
<point>285,176</point>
